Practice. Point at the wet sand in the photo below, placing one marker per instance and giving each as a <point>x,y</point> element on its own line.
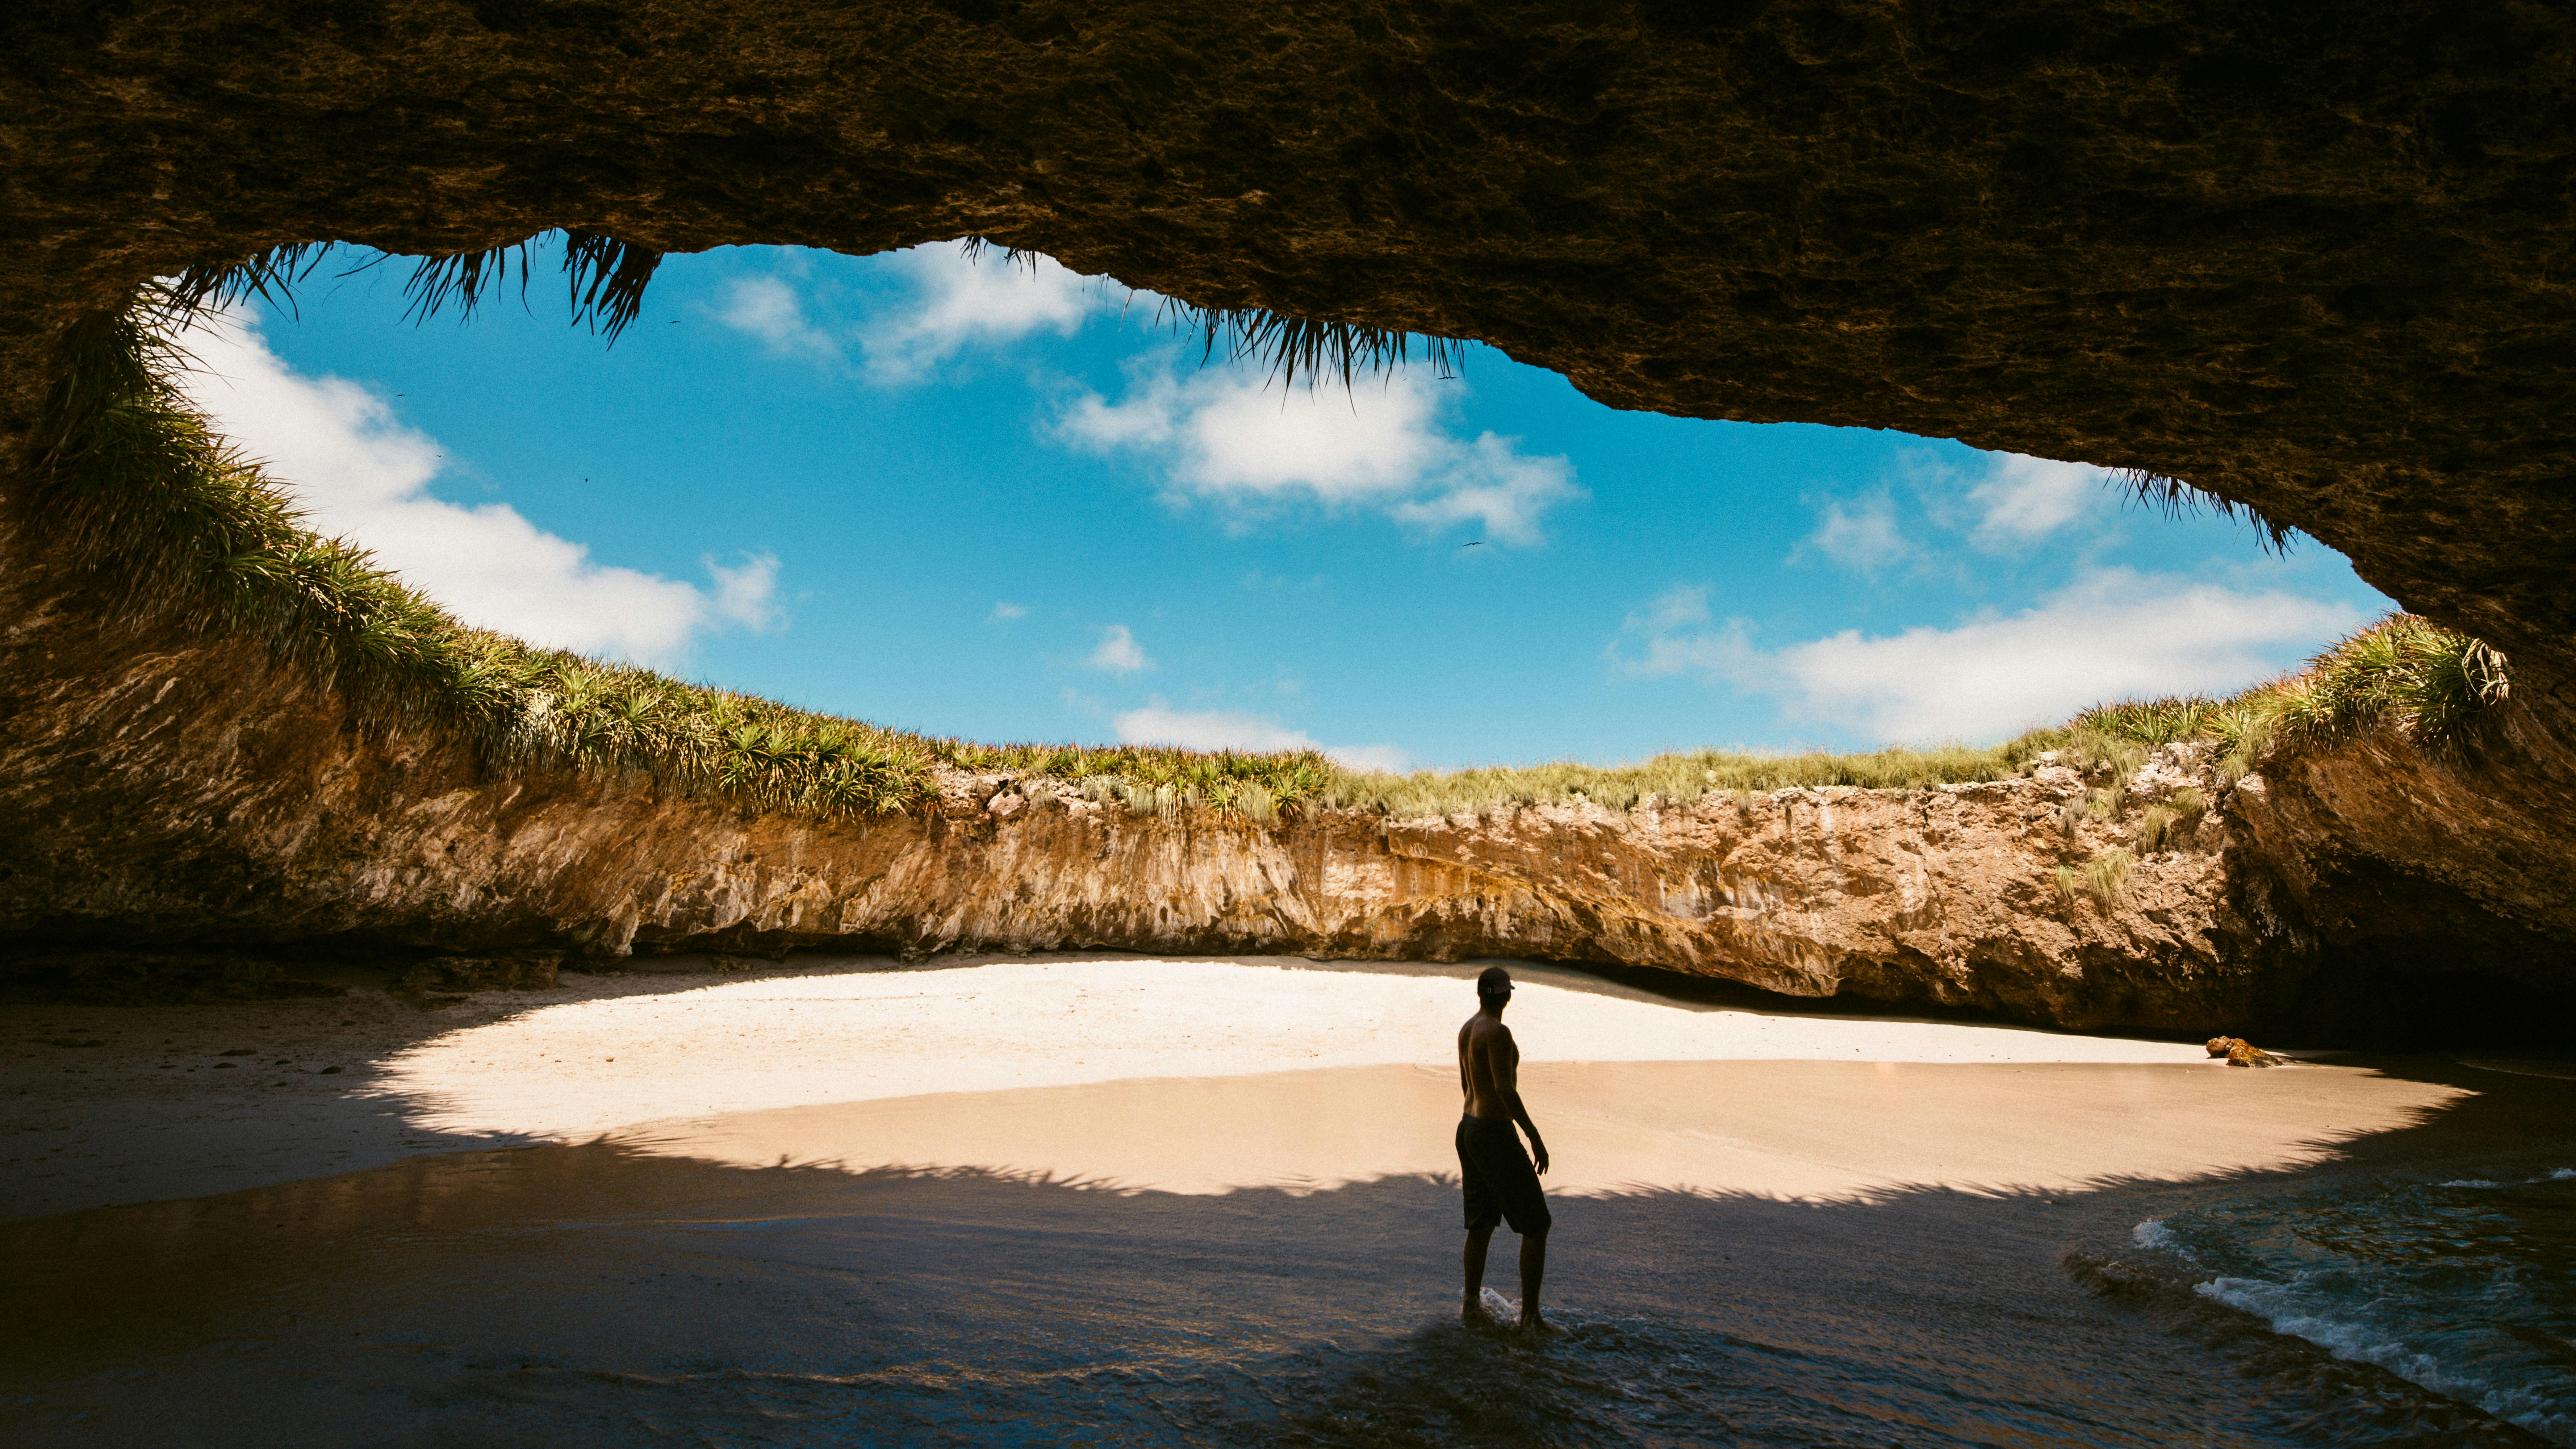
<point>664,1287</point>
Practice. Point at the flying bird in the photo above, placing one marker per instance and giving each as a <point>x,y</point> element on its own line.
<point>1479,543</point>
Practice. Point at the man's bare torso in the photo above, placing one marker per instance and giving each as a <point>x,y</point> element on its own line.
<point>1488,1068</point>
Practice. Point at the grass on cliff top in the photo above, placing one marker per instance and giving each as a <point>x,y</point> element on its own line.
<point>2431,686</point>
<point>178,525</point>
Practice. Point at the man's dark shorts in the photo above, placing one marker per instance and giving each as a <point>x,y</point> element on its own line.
<point>1500,1182</point>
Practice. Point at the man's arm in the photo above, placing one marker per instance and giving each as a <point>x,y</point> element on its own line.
<point>1507,1077</point>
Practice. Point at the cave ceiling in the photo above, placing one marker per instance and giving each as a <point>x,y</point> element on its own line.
<point>2313,258</point>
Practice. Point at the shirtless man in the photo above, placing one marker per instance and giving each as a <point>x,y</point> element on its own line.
<point>1500,1182</point>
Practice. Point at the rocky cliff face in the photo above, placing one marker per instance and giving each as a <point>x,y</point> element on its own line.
<point>157,789</point>
<point>204,795</point>
<point>2310,256</point>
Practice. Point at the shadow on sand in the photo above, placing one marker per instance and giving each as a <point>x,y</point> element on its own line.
<point>596,1295</point>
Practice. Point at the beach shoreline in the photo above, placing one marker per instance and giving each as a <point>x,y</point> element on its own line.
<point>128,1104</point>
<point>931,1198</point>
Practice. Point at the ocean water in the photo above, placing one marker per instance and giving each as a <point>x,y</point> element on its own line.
<point>2464,1286</point>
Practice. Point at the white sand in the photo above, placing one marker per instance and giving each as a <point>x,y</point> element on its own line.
<point>1184,1075</point>
<point>578,1070</point>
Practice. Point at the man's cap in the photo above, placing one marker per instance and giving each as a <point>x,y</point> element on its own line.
<point>1494,981</point>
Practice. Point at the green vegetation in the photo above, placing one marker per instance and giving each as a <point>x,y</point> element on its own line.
<point>2104,878</point>
<point>2175,498</point>
<point>2179,811</point>
<point>176,525</point>
<point>2431,686</point>
<point>134,484</point>
<point>1153,780</point>
<point>1680,778</point>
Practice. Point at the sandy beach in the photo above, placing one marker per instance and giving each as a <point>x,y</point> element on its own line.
<point>123,1105</point>
<point>1088,1199</point>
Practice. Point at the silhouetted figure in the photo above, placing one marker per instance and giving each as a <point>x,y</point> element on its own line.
<point>1501,1184</point>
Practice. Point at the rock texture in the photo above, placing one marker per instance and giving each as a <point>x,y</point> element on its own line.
<point>161,790</point>
<point>2314,257</point>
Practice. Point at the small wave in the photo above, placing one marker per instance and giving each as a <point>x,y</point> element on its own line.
<point>2473,1182</point>
<point>2153,1234</point>
<point>2564,1174</point>
<point>2292,1310</point>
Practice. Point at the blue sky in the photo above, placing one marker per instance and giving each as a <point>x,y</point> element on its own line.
<point>1009,503</point>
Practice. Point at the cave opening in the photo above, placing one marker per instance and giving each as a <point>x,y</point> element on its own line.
<point>988,497</point>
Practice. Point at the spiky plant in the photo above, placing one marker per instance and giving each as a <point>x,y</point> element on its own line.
<point>2435,687</point>
<point>604,277</point>
<point>2175,498</point>
<point>2149,721</point>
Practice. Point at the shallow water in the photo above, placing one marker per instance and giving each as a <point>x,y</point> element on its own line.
<point>609,1295</point>
<point>2465,1286</point>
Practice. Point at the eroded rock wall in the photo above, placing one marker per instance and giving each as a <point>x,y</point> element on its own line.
<point>158,789</point>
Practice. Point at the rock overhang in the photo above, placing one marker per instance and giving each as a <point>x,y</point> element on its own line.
<point>2302,256</point>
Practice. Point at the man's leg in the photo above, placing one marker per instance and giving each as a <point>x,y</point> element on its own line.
<point>1533,1272</point>
<point>1473,1310</point>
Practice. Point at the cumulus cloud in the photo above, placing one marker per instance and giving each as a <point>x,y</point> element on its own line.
<point>1226,436</point>
<point>957,300</point>
<point>771,309</point>
<point>1005,611</point>
<point>946,302</point>
<point>1119,653</point>
<point>2022,499</point>
<point>361,475</point>
<point>2113,633</point>
<point>1221,729</point>
<point>1862,537</point>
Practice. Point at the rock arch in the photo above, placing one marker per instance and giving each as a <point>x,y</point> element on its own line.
<point>2311,258</point>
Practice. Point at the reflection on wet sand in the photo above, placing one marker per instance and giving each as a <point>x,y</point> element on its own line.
<point>614,1293</point>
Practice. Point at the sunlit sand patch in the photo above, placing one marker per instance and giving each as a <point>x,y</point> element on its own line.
<point>1817,1129</point>
<point>583,1068</point>
<point>1209,1075</point>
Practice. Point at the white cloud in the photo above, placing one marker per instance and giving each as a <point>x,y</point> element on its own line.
<point>1221,729</point>
<point>1227,436</point>
<point>1004,612</point>
<point>361,475</point>
<point>1385,759</point>
<point>2025,499</point>
<point>1863,537</point>
<point>2113,633</point>
<point>770,309</point>
<point>1679,639</point>
<point>958,300</point>
<point>1119,653</point>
